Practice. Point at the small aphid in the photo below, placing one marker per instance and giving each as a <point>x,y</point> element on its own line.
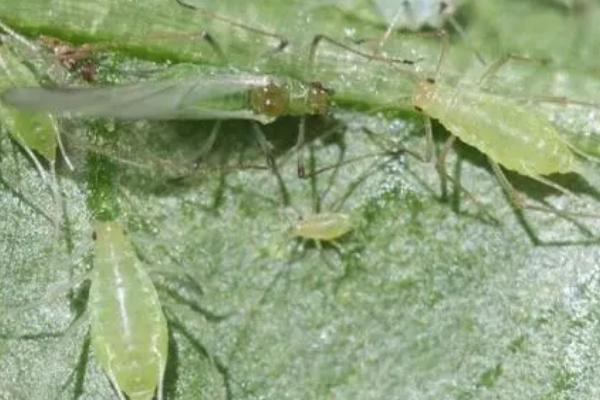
<point>128,328</point>
<point>326,226</point>
<point>36,132</point>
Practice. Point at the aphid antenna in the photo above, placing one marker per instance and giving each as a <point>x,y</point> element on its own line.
<point>282,41</point>
<point>493,68</point>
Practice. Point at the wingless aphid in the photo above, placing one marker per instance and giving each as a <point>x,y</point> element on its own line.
<point>128,328</point>
<point>327,226</point>
<point>37,133</point>
<point>509,133</point>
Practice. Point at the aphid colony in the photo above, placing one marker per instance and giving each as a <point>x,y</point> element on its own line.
<point>128,327</point>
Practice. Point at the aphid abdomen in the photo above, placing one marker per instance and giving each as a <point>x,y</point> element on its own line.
<point>514,136</point>
<point>128,328</point>
<point>324,226</point>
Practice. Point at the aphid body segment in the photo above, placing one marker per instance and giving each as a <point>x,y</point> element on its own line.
<point>256,97</point>
<point>323,226</point>
<point>128,328</point>
<point>518,138</point>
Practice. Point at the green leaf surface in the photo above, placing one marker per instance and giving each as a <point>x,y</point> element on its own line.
<point>424,299</point>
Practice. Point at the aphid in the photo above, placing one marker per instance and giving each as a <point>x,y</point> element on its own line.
<point>327,226</point>
<point>511,134</point>
<point>128,328</point>
<point>255,97</point>
<point>37,133</point>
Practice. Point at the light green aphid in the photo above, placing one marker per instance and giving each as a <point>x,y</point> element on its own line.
<point>128,328</point>
<point>33,131</point>
<point>517,137</point>
<point>325,226</point>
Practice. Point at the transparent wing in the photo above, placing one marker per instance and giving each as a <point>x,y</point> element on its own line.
<point>207,98</point>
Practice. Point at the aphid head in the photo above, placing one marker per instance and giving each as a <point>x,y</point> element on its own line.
<point>317,99</point>
<point>271,100</point>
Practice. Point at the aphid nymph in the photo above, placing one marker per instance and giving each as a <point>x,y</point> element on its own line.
<point>128,328</point>
<point>327,226</point>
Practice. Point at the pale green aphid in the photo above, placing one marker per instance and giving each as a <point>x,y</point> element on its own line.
<point>327,226</point>
<point>33,131</point>
<point>128,328</point>
<point>517,137</point>
<point>36,133</point>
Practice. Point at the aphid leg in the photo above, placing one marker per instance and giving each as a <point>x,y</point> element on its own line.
<point>282,42</point>
<point>517,199</point>
<point>465,37</point>
<point>265,145</point>
<point>267,148</point>
<point>207,37</point>
<point>429,144</point>
<point>440,165</point>
<point>299,147</point>
<point>493,69</point>
<point>51,183</point>
<point>318,39</point>
<point>208,145</point>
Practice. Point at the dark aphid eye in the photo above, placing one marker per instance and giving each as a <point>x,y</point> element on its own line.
<point>443,6</point>
<point>318,98</point>
<point>431,80</point>
<point>419,109</point>
<point>94,236</point>
<point>271,100</point>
